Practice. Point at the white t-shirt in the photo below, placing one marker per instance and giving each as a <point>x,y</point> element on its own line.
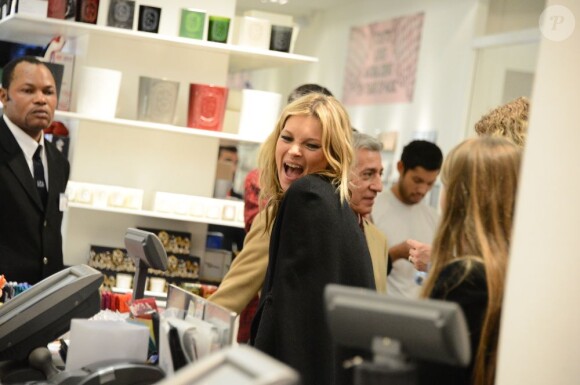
<point>399,222</point>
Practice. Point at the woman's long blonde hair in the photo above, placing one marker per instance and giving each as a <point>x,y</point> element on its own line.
<point>480,177</point>
<point>336,147</point>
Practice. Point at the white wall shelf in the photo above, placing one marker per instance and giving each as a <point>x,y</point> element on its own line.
<point>155,214</point>
<point>32,29</point>
<point>222,136</point>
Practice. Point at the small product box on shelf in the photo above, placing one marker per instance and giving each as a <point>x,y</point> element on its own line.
<point>102,196</point>
<point>99,101</point>
<point>57,9</point>
<point>157,100</point>
<point>227,210</point>
<point>31,7</point>
<point>251,32</point>
<point>214,240</point>
<point>283,31</point>
<point>215,264</point>
<point>149,19</point>
<point>281,38</point>
<point>193,23</point>
<point>67,60</point>
<point>7,8</point>
<point>87,11</point>
<point>218,29</point>
<point>258,112</point>
<point>274,18</point>
<point>121,14</point>
<point>207,106</point>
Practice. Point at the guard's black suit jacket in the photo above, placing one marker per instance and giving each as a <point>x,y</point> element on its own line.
<point>30,235</point>
<point>315,241</point>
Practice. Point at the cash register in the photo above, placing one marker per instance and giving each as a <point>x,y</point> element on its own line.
<point>43,313</point>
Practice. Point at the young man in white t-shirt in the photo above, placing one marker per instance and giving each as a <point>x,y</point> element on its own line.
<point>401,214</point>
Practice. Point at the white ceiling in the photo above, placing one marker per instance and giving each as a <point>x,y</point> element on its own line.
<point>293,7</point>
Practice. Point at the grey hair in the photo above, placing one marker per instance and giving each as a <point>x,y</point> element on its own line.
<point>364,141</point>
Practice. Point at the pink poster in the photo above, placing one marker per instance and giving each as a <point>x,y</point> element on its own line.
<point>382,61</point>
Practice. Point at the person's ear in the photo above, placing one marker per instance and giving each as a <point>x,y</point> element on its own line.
<point>400,167</point>
<point>4,95</point>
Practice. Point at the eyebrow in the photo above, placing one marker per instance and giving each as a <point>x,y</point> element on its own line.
<point>28,84</point>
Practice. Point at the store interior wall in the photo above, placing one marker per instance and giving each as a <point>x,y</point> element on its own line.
<point>448,70</point>
<point>539,325</point>
<point>444,71</point>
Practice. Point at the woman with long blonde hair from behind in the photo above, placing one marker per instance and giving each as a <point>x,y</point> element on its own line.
<point>471,247</point>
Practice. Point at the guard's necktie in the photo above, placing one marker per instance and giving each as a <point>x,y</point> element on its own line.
<point>39,176</point>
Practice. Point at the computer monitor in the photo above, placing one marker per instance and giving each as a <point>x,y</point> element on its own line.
<point>426,329</point>
<point>146,250</point>
<point>43,313</point>
<point>239,365</point>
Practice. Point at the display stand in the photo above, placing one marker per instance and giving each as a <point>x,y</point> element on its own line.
<point>199,307</point>
<point>191,328</point>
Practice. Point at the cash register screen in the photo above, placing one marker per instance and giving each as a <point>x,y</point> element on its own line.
<point>43,313</point>
<point>427,329</point>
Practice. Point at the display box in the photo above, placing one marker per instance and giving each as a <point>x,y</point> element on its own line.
<point>87,11</point>
<point>97,195</point>
<point>7,7</point>
<point>193,23</point>
<point>149,19</point>
<point>56,9</point>
<point>274,18</point>
<point>207,106</point>
<point>281,38</point>
<point>218,29</point>
<point>98,101</point>
<point>121,14</point>
<point>200,207</point>
<point>67,60</point>
<point>157,100</point>
<point>31,7</point>
<point>214,240</point>
<point>251,32</point>
<point>259,112</point>
<point>284,30</point>
<point>215,264</point>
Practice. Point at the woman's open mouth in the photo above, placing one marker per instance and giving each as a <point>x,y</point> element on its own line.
<point>293,171</point>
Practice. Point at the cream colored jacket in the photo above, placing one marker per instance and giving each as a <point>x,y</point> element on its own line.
<point>248,270</point>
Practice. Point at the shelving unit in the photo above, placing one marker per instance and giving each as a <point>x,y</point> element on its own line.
<point>34,30</point>
<point>126,152</point>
